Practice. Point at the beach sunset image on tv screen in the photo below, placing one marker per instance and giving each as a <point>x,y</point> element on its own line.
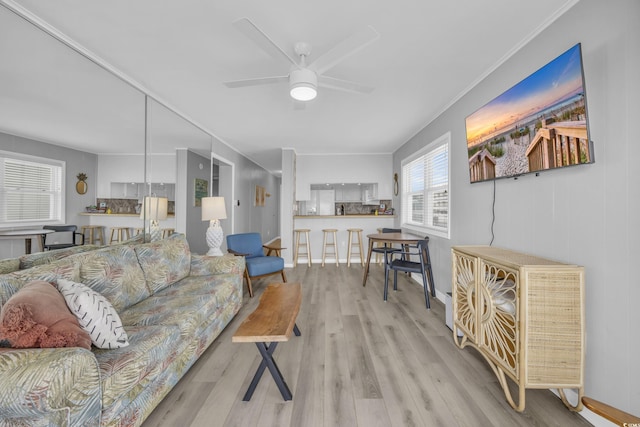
<point>540,123</point>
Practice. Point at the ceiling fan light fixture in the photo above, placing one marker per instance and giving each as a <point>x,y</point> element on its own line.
<point>303,92</point>
<point>303,84</point>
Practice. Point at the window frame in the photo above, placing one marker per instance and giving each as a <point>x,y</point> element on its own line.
<point>427,227</point>
<point>59,196</point>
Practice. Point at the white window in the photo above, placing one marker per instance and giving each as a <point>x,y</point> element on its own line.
<point>425,189</point>
<point>31,191</point>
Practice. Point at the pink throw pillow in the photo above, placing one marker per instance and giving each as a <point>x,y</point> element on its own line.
<point>37,316</point>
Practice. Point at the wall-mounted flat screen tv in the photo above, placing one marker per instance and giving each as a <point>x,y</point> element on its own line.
<point>539,124</point>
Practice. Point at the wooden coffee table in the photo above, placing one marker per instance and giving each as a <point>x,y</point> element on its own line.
<point>271,322</point>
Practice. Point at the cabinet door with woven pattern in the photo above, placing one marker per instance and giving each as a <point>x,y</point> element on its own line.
<point>498,315</point>
<point>464,294</point>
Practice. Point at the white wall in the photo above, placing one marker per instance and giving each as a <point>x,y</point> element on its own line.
<point>585,215</point>
<point>339,168</point>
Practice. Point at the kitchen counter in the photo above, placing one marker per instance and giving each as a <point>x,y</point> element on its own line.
<point>369,223</point>
<point>130,220</point>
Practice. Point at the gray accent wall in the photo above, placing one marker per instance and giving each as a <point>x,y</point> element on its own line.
<point>585,215</point>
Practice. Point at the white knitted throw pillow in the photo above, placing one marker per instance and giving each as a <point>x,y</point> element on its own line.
<point>95,314</point>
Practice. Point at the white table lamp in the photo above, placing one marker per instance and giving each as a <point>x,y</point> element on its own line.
<point>213,210</point>
<point>155,210</point>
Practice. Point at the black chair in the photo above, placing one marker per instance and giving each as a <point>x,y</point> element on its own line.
<point>387,248</point>
<point>62,229</point>
<point>401,261</point>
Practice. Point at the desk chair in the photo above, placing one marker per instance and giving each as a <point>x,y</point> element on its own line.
<point>401,261</point>
<point>258,264</point>
<point>72,229</point>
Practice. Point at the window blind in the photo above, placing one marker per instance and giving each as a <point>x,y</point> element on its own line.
<point>30,191</point>
<point>425,184</point>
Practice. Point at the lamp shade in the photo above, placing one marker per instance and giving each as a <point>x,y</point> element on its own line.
<point>154,208</point>
<point>213,208</point>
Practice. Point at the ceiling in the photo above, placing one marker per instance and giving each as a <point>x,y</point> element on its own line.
<point>428,55</point>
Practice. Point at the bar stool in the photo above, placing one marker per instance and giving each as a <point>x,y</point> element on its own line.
<point>352,243</point>
<point>96,233</point>
<point>119,234</point>
<point>333,244</point>
<point>306,245</point>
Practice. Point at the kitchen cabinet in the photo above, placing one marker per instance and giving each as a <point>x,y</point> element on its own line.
<point>124,190</point>
<point>348,193</point>
<point>354,193</point>
<point>525,315</point>
<point>366,193</point>
<point>136,190</point>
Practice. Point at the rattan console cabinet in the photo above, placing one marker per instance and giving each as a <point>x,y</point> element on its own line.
<point>525,315</point>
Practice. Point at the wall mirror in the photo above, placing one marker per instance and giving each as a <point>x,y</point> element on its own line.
<point>56,103</point>
<point>57,98</point>
<point>178,153</point>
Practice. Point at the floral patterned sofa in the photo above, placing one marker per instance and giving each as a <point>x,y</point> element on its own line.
<point>172,304</point>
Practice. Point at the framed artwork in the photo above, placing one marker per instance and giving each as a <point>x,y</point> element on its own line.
<point>260,195</point>
<point>200,190</point>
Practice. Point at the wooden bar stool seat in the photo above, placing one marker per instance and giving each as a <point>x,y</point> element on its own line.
<point>333,245</point>
<point>119,234</point>
<point>95,234</point>
<point>306,245</point>
<point>355,245</point>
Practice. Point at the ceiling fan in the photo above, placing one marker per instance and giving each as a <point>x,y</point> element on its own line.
<point>304,78</point>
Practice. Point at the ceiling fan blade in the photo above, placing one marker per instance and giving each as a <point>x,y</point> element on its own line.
<point>343,85</point>
<point>256,82</point>
<point>250,30</point>
<point>344,49</point>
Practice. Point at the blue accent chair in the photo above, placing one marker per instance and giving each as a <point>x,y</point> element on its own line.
<point>250,246</point>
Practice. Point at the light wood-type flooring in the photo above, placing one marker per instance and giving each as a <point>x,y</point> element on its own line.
<point>359,362</point>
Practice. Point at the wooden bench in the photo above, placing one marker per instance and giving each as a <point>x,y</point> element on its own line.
<point>271,322</point>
